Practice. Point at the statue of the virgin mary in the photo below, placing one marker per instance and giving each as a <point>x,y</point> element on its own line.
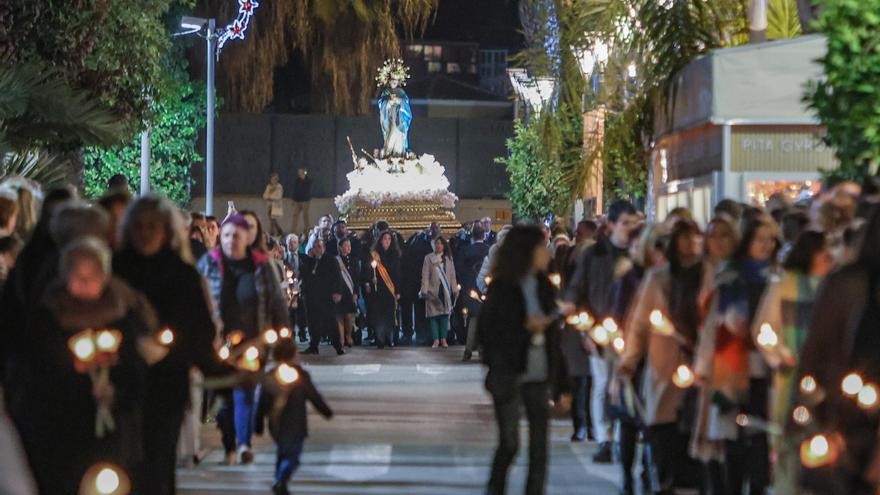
<point>395,115</point>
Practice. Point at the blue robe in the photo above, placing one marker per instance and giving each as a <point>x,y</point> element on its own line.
<point>395,119</point>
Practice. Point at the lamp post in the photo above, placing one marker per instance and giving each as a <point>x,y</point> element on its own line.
<point>196,25</point>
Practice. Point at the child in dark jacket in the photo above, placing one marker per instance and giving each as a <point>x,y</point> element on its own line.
<point>282,399</point>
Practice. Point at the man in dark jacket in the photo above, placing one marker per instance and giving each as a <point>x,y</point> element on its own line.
<point>591,289</point>
<point>302,197</point>
<point>338,232</point>
<point>467,266</point>
<point>412,307</point>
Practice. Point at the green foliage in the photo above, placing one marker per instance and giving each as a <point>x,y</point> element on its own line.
<point>175,123</point>
<point>847,101</point>
<point>45,168</point>
<point>534,180</point>
<point>624,156</point>
<point>782,20</point>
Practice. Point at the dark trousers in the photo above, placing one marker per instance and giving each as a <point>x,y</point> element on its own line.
<point>287,459</point>
<point>668,451</point>
<point>322,323</point>
<point>413,320</point>
<point>161,432</point>
<point>629,440</point>
<point>508,396</point>
<point>579,402</point>
<point>748,457</point>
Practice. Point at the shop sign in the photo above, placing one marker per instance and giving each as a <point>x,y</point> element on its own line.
<point>779,149</point>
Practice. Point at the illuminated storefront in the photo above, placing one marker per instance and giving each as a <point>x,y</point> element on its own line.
<point>739,130</point>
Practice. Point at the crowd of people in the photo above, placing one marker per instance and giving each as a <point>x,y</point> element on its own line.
<point>737,355</point>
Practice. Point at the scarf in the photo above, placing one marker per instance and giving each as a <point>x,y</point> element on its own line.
<point>383,273</point>
<point>445,291</point>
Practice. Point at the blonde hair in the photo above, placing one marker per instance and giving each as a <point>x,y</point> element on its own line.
<point>654,236</point>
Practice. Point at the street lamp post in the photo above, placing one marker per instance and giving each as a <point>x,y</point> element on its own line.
<point>195,25</point>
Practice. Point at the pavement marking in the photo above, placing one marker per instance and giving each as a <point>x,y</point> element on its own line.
<point>359,462</point>
<point>361,369</point>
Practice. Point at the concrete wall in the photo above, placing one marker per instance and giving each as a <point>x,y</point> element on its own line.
<point>248,147</point>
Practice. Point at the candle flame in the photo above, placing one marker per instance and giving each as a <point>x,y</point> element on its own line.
<point>867,397</point>
<point>683,376</point>
<point>107,340</point>
<point>852,384</point>
<point>767,338</point>
<point>474,294</point>
<point>818,451</point>
<point>82,346</point>
<point>252,353</point>
<point>619,344</point>
<point>801,415</point>
<point>555,279</point>
<point>600,335</point>
<point>660,323</point>
<point>107,481</point>
<point>656,318</point>
<point>610,324</point>
<point>488,280</point>
<point>166,337</point>
<point>284,333</point>
<point>374,263</point>
<point>236,337</point>
<point>808,384</point>
<point>223,353</point>
<point>270,336</point>
<point>286,374</point>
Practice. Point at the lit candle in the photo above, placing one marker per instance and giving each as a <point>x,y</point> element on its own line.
<point>108,340</point>
<point>235,337</point>
<point>767,338</point>
<point>801,415</point>
<point>818,450</point>
<point>683,376</point>
<point>808,384</point>
<point>270,336</point>
<point>284,333</point>
<point>660,323</point>
<point>600,335</point>
<point>852,384</point>
<point>474,294</point>
<point>619,344</point>
<point>286,374</point>
<point>610,325</point>
<point>867,397</point>
<point>105,479</point>
<point>251,359</point>
<point>82,346</point>
<point>488,280</point>
<point>166,337</point>
<point>223,353</point>
<point>555,279</point>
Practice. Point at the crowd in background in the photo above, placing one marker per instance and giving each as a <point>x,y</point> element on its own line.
<point>711,356</point>
<point>734,357</point>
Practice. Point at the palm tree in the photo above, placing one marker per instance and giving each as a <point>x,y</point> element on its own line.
<point>342,42</point>
<point>41,117</point>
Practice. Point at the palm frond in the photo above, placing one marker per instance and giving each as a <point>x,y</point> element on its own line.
<point>782,20</point>
<point>38,165</point>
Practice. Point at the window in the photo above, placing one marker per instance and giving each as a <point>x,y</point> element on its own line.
<point>434,66</point>
<point>453,68</point>
<point>415,50</point>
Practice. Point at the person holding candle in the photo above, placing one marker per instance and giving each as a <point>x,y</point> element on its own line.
<point>674,290</point>
<point>385,280</point>
<point>785,311</point>
<point>248,299</point>
<point>439,290</point>
<point>63,390</point>
<point>348,290</point>
<point>154,259</point>
<point>591,289</point>
<point>519,334</point>
<point>733,375</point>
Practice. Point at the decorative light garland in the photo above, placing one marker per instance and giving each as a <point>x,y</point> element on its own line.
<point>237,28</point>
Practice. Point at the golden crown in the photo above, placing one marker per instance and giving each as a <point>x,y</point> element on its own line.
<point>393,68</point>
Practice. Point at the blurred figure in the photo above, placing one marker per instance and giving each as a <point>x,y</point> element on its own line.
<point>273,196</point>
<point>439,290</point>
<point>198,235</point>
<point>786,307</point>
<point>10,248</point>
<point>520,344</point>
<point>591,290</point>
<point>255,237</point>
<point>212,232</point>
<point>60,431</point>
<point>8,212</point>
<point>302,197</point>
<point>247,299</point>
<point>734,375</point>
<point>154,258</point>
<point>114,202</point>
<point>321,283</point>
<point>118,182</point>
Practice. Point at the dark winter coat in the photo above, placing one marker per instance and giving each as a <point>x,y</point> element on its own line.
<point>591,287</point>
<point>178,294</point>
<point>353,266</point>
<point>57,423</point>
<point>468,263</point>
<point>285,408</point>
<point>272,305</point>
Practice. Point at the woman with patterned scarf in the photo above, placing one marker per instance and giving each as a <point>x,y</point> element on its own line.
<point>733,375</point>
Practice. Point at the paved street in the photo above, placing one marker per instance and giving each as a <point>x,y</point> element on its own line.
<point>409,421</point>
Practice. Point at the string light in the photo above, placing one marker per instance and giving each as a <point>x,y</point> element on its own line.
<point>237,28</point>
